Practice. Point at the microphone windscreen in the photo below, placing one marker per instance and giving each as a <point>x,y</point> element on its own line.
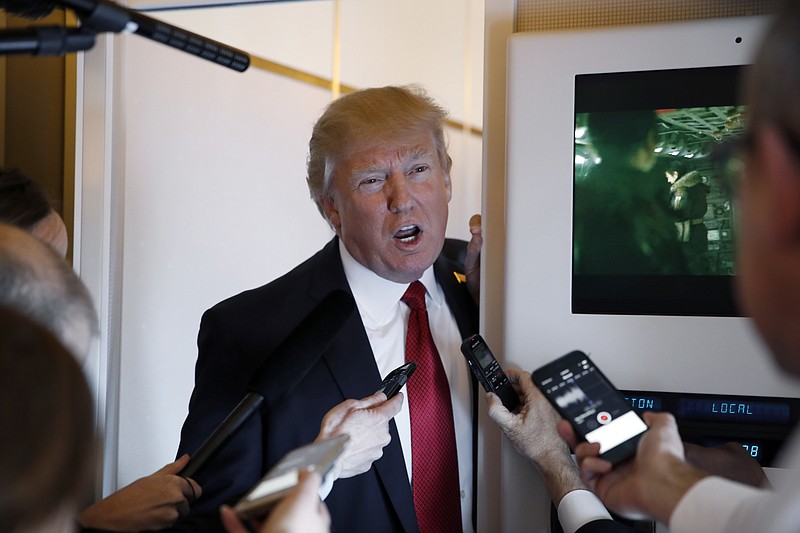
<point>284,368</point>
<point>29,9</point>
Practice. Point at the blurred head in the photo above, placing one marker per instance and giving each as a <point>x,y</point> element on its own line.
<point>379,172</point>
<point>24,204</point>
<point>768,253</point>
<point>626,138</point>
<point>48,445</point>
<point>37,282</point>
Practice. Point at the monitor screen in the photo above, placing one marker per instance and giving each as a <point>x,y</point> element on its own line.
<point>653,220</point>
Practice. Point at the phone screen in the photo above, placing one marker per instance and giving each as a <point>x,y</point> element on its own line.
<point>597,410</point>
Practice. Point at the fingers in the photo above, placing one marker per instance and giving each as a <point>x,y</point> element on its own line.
<point>309,482</point>
<point>191,490</point>
<point>176,466</point>
<point>587,455</point>
<point>475,222</point>
<point>475,242</point>
<point>514,374</point>
<point>566,432</point>
<point>498,413</point>
<point>302,509</point>
<point>525,385</point>
<point>389,408</point>
<point>230,520</point>
<point>369,401</point>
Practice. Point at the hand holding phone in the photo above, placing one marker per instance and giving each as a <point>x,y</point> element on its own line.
<point>280,479</point>
<point>596,410</point>
<point>395,380</point>
<point>488,372</point>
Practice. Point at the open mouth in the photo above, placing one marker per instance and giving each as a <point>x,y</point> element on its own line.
<point>407,234</point>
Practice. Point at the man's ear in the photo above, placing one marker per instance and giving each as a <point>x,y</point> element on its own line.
<point>780,169</point>
<point>331,212</point>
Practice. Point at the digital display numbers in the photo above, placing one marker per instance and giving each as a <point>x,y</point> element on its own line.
<point>753,449</point>
<point>760,424</point>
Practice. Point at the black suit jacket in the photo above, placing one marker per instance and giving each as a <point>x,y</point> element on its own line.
<point>238,334</point>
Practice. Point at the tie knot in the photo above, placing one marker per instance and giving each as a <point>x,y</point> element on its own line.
<point>414,296</point>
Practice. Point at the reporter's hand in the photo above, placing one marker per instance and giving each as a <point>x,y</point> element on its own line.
<point>472,263</point>
<point>301,511</point>
<point>532,432</point>
<point>152,502</point>
<point>649,485</point>
<point>367,423</point>
<point>730,461</point>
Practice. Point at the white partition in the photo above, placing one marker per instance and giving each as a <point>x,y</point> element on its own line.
<point>191,189</point>
<point>659,353</point>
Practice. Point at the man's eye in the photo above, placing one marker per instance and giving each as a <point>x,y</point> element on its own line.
<point>370,184</point>
<point>420,168</point>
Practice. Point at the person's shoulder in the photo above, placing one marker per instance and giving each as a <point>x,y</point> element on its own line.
<point>278,291</point>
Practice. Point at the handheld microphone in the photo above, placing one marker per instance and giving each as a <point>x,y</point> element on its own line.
<point>281,372</point>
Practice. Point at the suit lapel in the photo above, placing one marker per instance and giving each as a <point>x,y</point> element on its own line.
<point>352,365</point>
<point>458,298</point>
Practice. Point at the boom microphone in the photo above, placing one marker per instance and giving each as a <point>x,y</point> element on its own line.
<point>100,16</point>
<point>29,9</point>
<point>280,373</point>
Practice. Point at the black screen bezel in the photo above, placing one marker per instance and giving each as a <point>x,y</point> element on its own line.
<point>656,294</point>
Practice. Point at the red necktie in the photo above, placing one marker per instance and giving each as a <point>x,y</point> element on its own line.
<point>434,463</point>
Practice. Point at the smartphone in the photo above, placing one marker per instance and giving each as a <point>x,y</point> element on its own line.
<point>596,409</point>
<point>487,370</point>
<point>281,478</point>
<point>395,380</point>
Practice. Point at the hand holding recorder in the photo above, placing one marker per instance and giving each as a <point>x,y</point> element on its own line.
<point>532,432</point>
<point>487,370</point>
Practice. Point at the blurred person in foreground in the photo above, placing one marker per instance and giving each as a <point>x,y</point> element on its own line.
<point>47,452</point>
<point>37,282</point>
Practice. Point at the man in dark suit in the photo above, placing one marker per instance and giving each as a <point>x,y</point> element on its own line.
<point>385,193</point>
<point>379,172</point>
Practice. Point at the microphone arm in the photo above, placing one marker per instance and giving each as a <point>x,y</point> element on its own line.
<point>102,16</point>
<point>46,40</point>
<point>246,408</point>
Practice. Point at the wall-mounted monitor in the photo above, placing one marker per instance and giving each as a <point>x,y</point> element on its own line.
<point>620,228</point>
<point>653,217</point>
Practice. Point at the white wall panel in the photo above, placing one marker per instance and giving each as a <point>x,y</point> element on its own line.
<point>215,203</point>
<point>214,200</point>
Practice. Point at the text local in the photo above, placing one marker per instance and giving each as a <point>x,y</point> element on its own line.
<point>731,408</point>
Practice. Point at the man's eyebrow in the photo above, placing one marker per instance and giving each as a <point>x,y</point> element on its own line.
<point>366,169</point>
<point>417,153</point>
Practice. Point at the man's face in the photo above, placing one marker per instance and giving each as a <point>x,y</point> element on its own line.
<point>388,204</point>
<point>767,246</point>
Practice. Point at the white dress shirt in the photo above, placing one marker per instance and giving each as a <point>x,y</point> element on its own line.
<point>385,317</point>
<point>717,505</point>
<point>578,508</point>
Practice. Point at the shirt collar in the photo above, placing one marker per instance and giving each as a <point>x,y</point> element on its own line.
<point>377,298</point>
